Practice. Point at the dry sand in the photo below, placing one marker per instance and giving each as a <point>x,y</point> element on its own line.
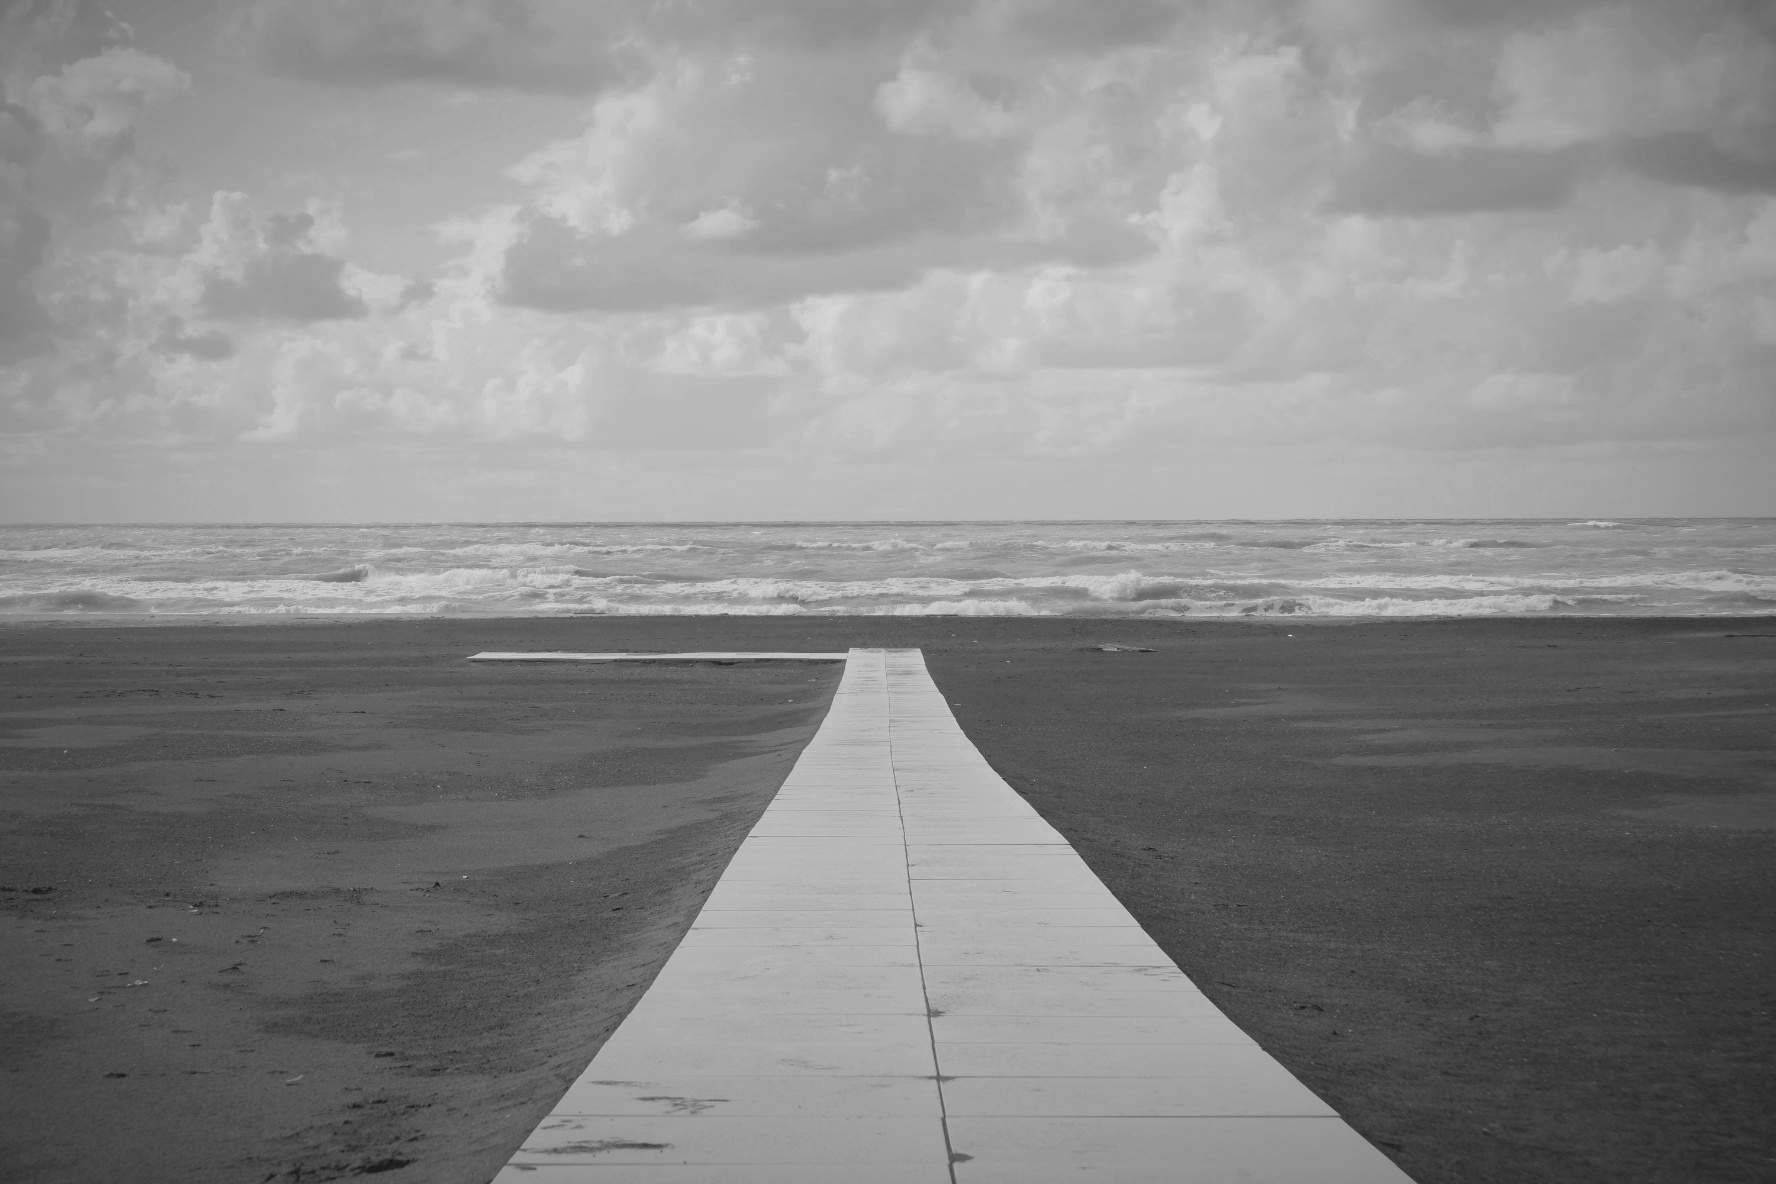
<point>1501,891</point>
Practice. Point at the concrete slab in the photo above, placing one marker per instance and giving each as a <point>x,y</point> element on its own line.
<point>1165,1151</point>
<point>906,975</point>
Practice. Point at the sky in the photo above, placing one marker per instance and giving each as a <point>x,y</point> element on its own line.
<point>397,260</point>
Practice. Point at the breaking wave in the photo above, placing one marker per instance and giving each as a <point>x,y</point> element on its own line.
<point>74,601</point>
<point>1103,569</point>
<point>964,608</point>
<point>346,575</point>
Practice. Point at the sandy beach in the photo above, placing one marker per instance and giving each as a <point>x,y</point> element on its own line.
<point>319,898</point>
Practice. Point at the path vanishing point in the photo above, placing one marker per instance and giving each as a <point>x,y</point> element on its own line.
<point>906,976</point>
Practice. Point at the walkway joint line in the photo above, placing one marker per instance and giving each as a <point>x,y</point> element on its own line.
<point>924,984</point>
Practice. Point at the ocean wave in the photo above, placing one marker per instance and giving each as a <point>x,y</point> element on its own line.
<point>52,554</point>
<point>517,552</point>
<point>1598,524</point>
<point>963,608</point>
<point>1106,570</point>
<point>1112,545</point>
<point>78,600</point>
<point>884,545</point>
<point>1693,581</point>
<point>345,575</point>
<point>1343,544</point>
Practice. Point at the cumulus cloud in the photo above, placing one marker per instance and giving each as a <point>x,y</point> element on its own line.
<point>1622,70</point>
<point>751,185</point>
<point>69,106</point>
<point>91,106</point>
<point>995,228</point>
<point>252,267</point>
<point>210,345</point>
<point>1678,93</point>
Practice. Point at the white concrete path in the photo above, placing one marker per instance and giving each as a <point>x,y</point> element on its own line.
<point>905,976</point>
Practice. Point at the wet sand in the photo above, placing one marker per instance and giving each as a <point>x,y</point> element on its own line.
<point>1500,891</point>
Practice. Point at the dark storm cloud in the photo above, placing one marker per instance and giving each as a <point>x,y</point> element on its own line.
<point>1383,179</point>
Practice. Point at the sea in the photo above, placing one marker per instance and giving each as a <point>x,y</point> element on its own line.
<point>1688,567</point>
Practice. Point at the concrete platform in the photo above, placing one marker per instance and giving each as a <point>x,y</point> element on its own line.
<point>906,976</point>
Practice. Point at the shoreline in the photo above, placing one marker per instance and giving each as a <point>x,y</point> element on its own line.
<point>1499,889</point>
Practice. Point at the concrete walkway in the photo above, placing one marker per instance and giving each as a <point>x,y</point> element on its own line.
<point>906,976</point>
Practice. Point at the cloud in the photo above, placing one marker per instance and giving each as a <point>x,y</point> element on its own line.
<point>248,267</point>
<point>415,292</point>
<point>66,131</point>
<point>793,24</point>
<point>921,102</point>
<point>722,188</point>
<point>1018,231</point>
<point>39,36</point>
<point>1638,70</point>
<point>1677,93</point>
<point>1382,179</point>
<point>1072,27</point>
<point>210,345</point>
<point>24,242</point>
<point>506,44</point>
<point>91,106</point>
<point>1747,164</point>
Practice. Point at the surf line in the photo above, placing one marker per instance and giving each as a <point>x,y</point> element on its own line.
<point>906,974</point>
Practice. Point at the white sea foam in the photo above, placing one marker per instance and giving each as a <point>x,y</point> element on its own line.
<point>1103,569</point>
<point>75,600</point>
<point>1702,581</point>
<point>1460,544</point>
<point>519,552</point>
<point>964,608</point>
<point>871,545</point>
